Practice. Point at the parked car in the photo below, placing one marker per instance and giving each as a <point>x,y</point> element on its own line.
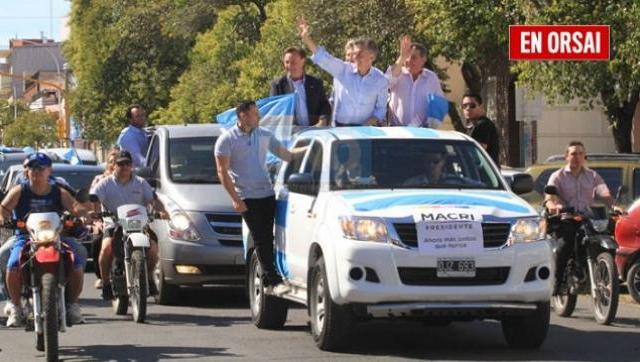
<point>615,170</point>
<point>362,233</point>
<point>201,244</point>
<point>86,157</point>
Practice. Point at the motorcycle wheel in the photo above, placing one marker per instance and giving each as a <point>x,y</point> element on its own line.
<point>139,286</point>
<point>50,316</point>
<point>633,281</point>
<point>607,285</point>
<point>267,311</point>
<point>120,304</point>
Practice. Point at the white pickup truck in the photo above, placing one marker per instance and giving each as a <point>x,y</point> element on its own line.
<point>404,222</point>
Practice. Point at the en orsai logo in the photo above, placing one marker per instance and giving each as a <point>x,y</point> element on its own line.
<point>559,42</point>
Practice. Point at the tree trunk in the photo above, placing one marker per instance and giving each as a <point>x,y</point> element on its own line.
<point>505,115</point>
<point>621,119</point>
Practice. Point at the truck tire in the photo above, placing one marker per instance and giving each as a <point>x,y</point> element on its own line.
<point>530,331</point>
<point>267,311</point>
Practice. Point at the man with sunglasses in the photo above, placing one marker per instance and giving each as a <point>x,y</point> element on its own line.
<point>133,138</point>
<point>120,188</point>
<point>480,127</point>
<point>38,194</point>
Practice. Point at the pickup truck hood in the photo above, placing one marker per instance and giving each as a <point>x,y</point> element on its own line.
<point>401,204</point>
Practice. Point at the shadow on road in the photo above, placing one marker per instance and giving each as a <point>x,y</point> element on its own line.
<point>129,352</point>
<point>213,297</point>
<point>483,341</point>
<point>172,319</point>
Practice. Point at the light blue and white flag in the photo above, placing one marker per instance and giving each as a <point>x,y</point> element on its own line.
<point>437,108</point>
<point>72,156</point>
<point>276,115</point>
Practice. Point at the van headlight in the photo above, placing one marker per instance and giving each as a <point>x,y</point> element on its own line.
<point>363,228</point>
<point>526,230</point>
<point>181,227</point>
<point>45,236</point>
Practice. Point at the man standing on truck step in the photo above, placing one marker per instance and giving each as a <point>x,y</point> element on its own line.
<point>240,155</point>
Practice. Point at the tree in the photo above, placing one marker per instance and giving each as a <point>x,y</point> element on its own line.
<point>125,52</point>
<point>475,32</point>
<point>36,129</point>
<point>209,85</point>
<point>616,84</point>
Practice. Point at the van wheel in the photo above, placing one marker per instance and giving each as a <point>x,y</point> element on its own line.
<point>331,323</point>
<point>167,293</point>
<point>267,311</point>
<point>530,331</point>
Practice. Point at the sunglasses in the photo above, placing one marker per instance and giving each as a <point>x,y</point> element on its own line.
<point>469,105</point>
<point>124,163</point>
<point>433,161</point>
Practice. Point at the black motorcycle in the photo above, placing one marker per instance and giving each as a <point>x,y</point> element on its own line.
<point>590,268</point>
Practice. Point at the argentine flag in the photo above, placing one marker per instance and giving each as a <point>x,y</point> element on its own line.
<point>276,115</point>
<point>437,108</point>
<point>72,156</point>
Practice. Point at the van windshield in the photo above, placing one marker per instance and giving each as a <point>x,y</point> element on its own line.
<point>402,163</point>
<point>191,160</point>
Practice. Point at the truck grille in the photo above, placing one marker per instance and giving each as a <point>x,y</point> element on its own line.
<point>494,234</point>
<point>428,276</point>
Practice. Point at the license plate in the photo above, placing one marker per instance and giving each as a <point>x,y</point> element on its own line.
<point>456,268</point>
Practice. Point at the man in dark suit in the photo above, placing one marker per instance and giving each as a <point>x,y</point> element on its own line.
<point>312,105</point>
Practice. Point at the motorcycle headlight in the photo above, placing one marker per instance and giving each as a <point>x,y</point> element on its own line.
<point>365,229</point>
<point>600,225</point>
<point>526,230</point>
<point>45,235</point>
<point>181,227</point>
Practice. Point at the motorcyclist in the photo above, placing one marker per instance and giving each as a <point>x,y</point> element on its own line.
<point>113,191</point>
<point>577,186</point>
<point>39,195</point>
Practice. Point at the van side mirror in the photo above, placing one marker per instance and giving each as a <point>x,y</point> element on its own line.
<point>147,174</point>
<point>521,183</point>
<point>301,183</point>
<point>82,195</point>
<point>94,198</point>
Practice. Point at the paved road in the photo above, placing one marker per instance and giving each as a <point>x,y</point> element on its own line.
<point>216,324</point>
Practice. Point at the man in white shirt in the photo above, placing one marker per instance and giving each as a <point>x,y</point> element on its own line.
<point>410,85</point>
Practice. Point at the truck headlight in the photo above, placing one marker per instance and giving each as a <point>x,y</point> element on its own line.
<point>526,230</point>
<point>181,227</point>
<point>363,228</point>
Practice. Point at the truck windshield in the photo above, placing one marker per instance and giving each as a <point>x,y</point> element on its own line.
<point>191,160</point>
<point>402,163</point>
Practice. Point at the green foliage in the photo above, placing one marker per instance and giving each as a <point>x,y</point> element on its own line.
<point>208,86</point>
<point>127,51</point>
<point>36,129</point>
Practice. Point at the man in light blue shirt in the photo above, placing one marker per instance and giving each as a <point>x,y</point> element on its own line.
<point>240,155</point>
<point>361,98</point>
<point>133,138</point>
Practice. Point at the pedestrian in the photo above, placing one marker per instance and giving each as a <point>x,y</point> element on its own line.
<point>133,138</point>
<point>240,155</point>
<point>312,105</point>
<point>410,84</point>
<point>361,98</point>
<point>481,128</point>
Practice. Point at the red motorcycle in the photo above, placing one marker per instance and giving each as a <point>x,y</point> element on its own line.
<point>628,254</point>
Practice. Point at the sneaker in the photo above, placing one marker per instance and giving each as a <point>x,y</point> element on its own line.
<point>16,319</point>
<point>7,308</point>
<point>278,290</point>
<point>98,284</point>
<point>107,291</point>
<point>75,313</point>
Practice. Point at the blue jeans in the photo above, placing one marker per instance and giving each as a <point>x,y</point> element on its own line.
<point>79,255</point>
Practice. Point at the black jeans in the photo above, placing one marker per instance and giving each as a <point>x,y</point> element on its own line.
<point>567,233</point>
<point>259,217</point>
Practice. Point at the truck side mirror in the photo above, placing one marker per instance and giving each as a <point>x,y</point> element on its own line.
<point>522,183</point>
<point>301,183</point>
<point>551,190</point>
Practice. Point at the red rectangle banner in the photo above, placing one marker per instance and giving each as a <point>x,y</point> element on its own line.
<point>559,42</point>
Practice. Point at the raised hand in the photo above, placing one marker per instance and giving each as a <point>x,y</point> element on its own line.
<point>405,47</point>
<point>303,27</point>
